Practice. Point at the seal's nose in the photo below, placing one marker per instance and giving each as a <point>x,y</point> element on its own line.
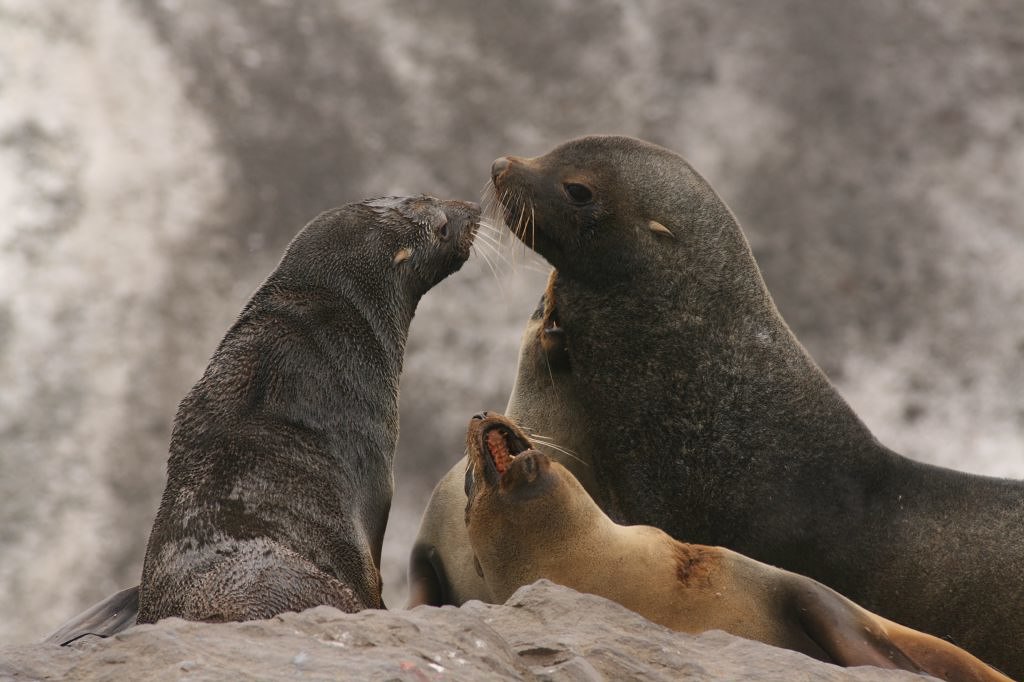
<point>499,165</point>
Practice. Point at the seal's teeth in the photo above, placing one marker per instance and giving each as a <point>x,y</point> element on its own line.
<point>497,447</point>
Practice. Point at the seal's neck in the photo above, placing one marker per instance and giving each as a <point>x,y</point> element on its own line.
<point>379,298</point>
<point>544,540</point>
<point>694,369</point>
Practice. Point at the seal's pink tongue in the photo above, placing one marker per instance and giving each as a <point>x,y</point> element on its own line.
<point>498,448</point>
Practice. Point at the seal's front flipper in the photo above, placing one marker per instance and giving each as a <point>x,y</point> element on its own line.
<point>426,577</point>
<point>110,616</point>
<point>851,636</point>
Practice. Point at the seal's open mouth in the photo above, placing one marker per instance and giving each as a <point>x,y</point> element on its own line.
<point>552,325</point>
<point>501,446</point>
<point>553,339</point>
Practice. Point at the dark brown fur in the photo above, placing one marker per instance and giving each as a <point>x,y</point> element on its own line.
<point>715,423</point>
<point>280,470</point>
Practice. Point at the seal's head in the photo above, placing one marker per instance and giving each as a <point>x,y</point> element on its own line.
<point>403,245</point>
<point>605,209</point>
<point>524,509</point>
<point>502,463</point>
<point>426,238</point>
<point>511,487</point>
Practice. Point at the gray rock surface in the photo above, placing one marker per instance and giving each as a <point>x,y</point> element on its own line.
<point>544,632</point>
<point>157,155</point>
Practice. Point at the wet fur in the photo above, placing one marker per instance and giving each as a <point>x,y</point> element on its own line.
<point>280,469</point>
<point>730,432</point>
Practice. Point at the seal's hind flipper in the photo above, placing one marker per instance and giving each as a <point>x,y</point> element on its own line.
<point>108,617</point>
<point>849,635</point>
<point>853,636</point>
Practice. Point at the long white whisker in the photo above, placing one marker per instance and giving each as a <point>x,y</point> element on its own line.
<point>533,228</point>
<point>491,245</point>
<point>565,451</point>
<point>501,285</point>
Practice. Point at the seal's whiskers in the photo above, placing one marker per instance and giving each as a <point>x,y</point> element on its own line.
<point>545,441</point>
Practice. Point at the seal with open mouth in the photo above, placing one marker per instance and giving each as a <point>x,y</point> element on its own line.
<point>699,412</point>
<point>528,518</point>
<point>441,569</point>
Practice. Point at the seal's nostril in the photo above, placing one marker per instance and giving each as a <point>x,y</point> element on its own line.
<point>499,165</point>
<point>480,415</point>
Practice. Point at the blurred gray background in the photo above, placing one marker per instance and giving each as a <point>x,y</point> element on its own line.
<point>156,158</point>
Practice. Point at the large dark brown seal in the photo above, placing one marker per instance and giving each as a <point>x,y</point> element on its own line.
<point>716,425</point>
<point>528,518</point>
<point>279,479</point>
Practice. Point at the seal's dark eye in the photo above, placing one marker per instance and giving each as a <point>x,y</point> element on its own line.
<point>581,194</point>
<point>442,230</point>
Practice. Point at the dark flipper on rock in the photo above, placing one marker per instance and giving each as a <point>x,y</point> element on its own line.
<point>103,619</point>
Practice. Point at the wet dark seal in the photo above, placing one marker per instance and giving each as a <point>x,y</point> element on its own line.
<point>700,413</point>
<point>280,469</point>
<point>528,518</point>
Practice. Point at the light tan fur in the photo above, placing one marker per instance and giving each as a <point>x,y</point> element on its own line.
<point>537,521</point>
<point>442,545</point>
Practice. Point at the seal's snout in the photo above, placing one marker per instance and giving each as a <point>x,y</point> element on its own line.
<point>463,221</point>
<point>494,441</point>
<point>463,214</point>
<point>498,167</point>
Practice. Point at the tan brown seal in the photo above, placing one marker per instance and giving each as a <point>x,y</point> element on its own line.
<point>441,562</point>
<point>280,475</point>
<point>528,518</point>
<point>714,423</point>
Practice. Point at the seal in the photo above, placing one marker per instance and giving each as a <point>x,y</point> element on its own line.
<point>441,567</point>
<point>715,423</point>
<point>279,479</point>
<point>528,518</point>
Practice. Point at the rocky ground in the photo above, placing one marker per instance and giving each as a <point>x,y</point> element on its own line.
<point>156,156</point>
<point>544,632</point>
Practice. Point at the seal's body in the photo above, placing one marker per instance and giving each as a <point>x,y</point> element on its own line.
<point>715,424</point>
<point>279,479</point>
<point>528,518</point>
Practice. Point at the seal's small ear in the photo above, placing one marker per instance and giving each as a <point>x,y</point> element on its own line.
<point>658,228</point>
<point>402,255</point>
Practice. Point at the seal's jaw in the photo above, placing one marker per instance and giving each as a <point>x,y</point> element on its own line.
<point>493,443</point>
<point>499,447</point>
<point>553,339</point>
